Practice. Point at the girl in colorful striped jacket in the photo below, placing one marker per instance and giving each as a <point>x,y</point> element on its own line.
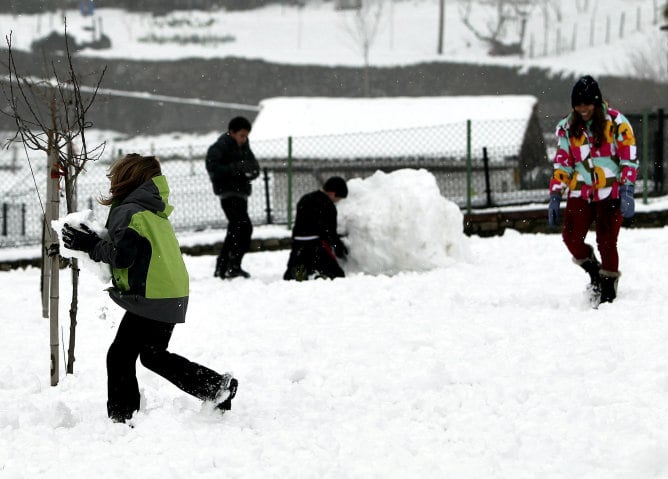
<point>596,165</point>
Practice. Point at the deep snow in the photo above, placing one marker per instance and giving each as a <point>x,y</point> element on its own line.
<point>491,365</point>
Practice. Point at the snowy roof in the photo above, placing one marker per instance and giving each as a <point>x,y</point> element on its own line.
<point>303,116</point>
<point>391,127</point>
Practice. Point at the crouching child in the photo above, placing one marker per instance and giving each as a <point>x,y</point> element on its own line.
<point>316,244</point>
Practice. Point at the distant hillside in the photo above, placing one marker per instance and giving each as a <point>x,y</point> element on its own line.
<point>249,81</point>
<point>155,6</point>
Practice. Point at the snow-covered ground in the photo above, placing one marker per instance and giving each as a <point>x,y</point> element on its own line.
<point>490,369</point>
<point>488,365</point>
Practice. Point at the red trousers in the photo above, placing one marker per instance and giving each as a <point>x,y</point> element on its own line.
<point>578,218</point>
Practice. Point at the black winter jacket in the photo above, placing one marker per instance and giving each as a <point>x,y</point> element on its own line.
<point>317,216</point>
<point>231,167</point>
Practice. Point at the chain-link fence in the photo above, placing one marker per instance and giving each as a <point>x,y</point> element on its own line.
<point>651,133</point>
<point>475,163</point>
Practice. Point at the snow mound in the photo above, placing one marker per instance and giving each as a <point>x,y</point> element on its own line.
<point>399,221</point>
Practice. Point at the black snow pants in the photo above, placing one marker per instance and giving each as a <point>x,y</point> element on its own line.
<point>239,232</point>
<point>148,339</point>
<point>312,258</point>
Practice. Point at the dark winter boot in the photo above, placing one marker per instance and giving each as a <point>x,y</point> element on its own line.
<point>227,392</point>
<point>233,272</point>
<point>609,280</point>
<point>233,269</point>
<point>221,266</point>
<point>592,267</point>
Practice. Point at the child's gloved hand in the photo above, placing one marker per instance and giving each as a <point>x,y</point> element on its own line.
<point>628,203</point>
<point>79,240</point>
<point>553,209</point>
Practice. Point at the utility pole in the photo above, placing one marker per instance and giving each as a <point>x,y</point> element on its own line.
<point>441,25</point>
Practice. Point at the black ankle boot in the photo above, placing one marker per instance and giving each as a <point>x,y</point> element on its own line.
<point>233,268</point>
<point>609,282</point>
<point>235,272</point>
<point>591,266</point>
<point>221,266</point>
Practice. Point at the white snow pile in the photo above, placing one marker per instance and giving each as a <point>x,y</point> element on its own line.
<point>399,221</point>
<point>75,220</point>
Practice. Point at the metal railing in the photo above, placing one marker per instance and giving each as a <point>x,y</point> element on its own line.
<point>476,164</point>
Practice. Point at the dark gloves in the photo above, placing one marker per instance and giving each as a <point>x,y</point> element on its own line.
<point>79,240</point>
<point>553,209</point>
<point>248,168</point>
<point>340,250</point>
<point>53,250</point>
<point>628,204</point>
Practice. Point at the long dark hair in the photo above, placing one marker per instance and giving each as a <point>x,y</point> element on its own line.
<point>578,125</point>
<point>127,174</point>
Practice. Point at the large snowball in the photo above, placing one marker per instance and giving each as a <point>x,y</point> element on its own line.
<point>399,221</point>
<point>101,270</point>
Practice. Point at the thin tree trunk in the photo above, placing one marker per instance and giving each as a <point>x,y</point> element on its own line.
<point>54,289</point>
<point>73,316</point>
<point>46,264</point>
<point>72,204</point>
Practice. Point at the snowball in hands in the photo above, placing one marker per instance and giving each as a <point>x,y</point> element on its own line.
<point>75,220</point>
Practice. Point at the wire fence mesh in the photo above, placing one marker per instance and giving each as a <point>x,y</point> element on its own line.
<point>475,164</point>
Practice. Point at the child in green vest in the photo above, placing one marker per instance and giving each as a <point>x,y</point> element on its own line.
<point>150,282</point>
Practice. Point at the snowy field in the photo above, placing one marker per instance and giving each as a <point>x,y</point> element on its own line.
<point>486,363</point>
<point>489,363</point>
<point>494,368</point>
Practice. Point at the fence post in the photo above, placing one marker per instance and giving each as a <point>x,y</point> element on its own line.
<point>607,30</point>
<point>469,166</point>
<point>4,219</point>
<point>23,219</point>
<point>658,156</point>
<point>190,160</point>
<point>289,182</point>
<point>488,188</point>
<point>267,200</point>
<point>645,154</point>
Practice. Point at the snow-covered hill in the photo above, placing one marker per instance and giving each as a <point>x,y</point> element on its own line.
<point>611,37</point>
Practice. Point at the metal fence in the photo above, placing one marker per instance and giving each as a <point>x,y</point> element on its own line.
<point>476,164</point>
<point>651,132</point>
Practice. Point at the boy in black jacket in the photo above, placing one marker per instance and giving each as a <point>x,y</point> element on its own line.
<point>315,242</point>
<point>232,166</point>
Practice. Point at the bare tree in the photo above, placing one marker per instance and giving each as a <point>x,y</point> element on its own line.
<point>650,61</point>
<point>362,25</point>
<point>50,116</point>
<point>506,12</point>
